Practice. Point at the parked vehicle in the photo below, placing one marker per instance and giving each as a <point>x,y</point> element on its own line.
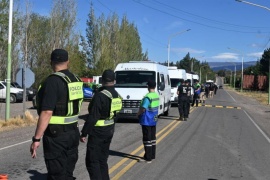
<point>16,94</point>
<point>30,92</point>
<point>175,76</point>
<point>34,102</point>
<point>87,92</point>
<point>131,84</point>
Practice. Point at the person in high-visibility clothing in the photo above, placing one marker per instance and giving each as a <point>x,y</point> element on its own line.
<point>59,100</point>
<point>197,91</point>
<point>147,115</point>
<point>99,127</point>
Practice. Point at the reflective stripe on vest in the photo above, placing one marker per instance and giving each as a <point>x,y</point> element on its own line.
<point>63,120</point>
<point>116,106</point>
<point>75,92</point>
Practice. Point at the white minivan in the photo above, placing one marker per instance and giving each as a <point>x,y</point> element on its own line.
<point>131,84</point>
<point>175,76</point>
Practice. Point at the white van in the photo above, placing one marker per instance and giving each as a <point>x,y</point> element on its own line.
<point>131,84</point>
<point>97,79</point>
<point>175,76</point>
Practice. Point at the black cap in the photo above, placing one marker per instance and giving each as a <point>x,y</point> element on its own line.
<point>108,75</point>
<point>59,55</point>
<point>186,81</point>
<point>151,84</point>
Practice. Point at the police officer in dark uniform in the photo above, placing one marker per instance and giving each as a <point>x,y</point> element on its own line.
<point>58,104</point>
<point>183,92</point>
<point>99,127</point>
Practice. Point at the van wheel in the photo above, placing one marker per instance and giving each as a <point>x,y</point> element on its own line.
<point>12,98</point>
<point>166,113</point>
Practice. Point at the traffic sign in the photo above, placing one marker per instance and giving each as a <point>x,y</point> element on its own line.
<point>29,77</point>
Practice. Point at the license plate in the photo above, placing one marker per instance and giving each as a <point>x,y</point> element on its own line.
<point>127,111</point>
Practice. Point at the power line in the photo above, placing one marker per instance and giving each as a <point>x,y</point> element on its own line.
<point>209,26</point>
<point>205,17</point>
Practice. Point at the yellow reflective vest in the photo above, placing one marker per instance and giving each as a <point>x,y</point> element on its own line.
<point>75,92</point>
<point>116,106</point>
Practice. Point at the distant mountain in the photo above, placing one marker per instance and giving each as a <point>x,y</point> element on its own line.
<point>216,66</point>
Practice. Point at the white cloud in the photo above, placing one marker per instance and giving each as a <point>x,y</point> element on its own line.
<point>187,50</point>
<point>233,56</point>
<point>254,45</point>
<point>256,54</point>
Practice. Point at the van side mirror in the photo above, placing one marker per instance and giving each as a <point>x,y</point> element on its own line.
<point>161,86</point>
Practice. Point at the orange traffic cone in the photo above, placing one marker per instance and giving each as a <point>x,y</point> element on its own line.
<point>3,176</point>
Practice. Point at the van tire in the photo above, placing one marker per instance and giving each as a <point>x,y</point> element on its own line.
<point>166,113</point>
<point>13,98</point>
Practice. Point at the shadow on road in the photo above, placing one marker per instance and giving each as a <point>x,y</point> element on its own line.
<point>35,175</point>
<point>121,154</point>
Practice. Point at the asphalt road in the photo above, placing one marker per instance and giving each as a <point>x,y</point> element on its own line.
<point>226,139</point>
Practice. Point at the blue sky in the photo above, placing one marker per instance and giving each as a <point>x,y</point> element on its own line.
<point>214,26</point>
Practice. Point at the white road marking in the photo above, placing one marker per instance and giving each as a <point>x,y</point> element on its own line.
<point>13,145</point>
<point>261,131</point>
<point>230,96</point>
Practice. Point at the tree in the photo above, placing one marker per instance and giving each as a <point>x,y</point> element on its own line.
<point>185,63</point>
<point>108,43</point>
<point>4,21</point>
<point>43,34</point>
<point>264,62</point>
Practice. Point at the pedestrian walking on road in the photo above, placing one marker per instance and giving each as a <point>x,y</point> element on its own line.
<point>202,94</point>
<point>197,91</point>
<point>58,105</point>
<point>99,127</point>
<point>147,115</point>
<point>215,88</point>
<point>183,92</point>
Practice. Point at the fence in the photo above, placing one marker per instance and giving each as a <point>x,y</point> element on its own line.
<point>252,82</point>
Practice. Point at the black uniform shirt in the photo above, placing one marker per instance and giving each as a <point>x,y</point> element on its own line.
<point>99,108</point>
<point>184,91</point>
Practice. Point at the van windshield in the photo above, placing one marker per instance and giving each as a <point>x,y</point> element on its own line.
<point>135,79</point>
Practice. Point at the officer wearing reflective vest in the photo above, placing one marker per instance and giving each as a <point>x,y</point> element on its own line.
<point>99,127</point>
<point>147,115</point>
<point>59,100</point>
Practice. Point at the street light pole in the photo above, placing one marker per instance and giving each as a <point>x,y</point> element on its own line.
<point>201,73</point>
<point>9,60</point>
<point>231,76</point>
<point>234,75</point>
<point>242,73</point>
<point>264,7</point>
<point>169,40</point>
<point>254,4</point>
<point>192,62</point>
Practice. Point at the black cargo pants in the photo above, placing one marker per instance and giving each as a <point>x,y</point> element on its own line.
<point>97,156</point>
<point>149,142</point>
<point>60,145</point>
